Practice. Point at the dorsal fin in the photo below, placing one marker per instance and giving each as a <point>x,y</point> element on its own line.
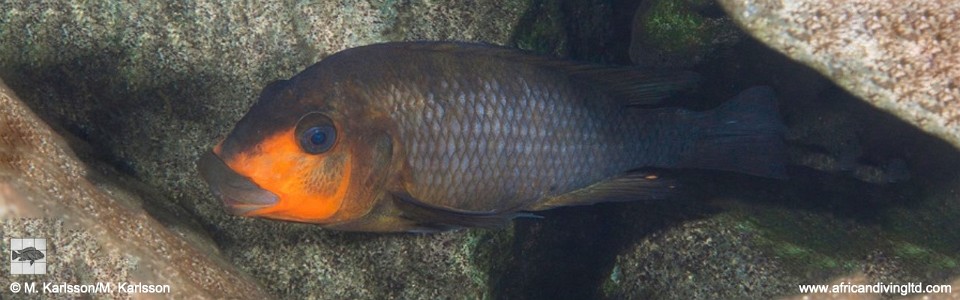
<point>432,217</point>
<point>645,184</point>
<point>634,86</point>
<point>638,87</point>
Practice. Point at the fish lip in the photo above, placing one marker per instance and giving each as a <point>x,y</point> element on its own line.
<point>240,195</point>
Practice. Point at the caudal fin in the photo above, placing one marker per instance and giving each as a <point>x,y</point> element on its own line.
<point>16,255</point>
<point>743,135</point>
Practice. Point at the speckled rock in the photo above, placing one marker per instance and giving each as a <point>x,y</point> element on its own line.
<point>96,229</point>
<point>759,249</point>
<point>712,252</point>
<point>152,85</point>
<point>764,253</point>
<point>901,56</point>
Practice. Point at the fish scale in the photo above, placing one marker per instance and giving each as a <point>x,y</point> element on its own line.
<point>487,144</point>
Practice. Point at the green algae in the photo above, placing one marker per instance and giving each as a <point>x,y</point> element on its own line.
<point>489,253</point>
<point>541,29</point>
<point>808,244</point>
<point>923,260</point>
<point>680,34</point>
<point>671,26</point>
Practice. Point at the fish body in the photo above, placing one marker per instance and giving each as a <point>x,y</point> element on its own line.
<point>29,253</point>
<point>430,136</point>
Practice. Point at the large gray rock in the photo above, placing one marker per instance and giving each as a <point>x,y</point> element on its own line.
<point>900,56</point>
<point>95,226</point>
<point>764,252</point>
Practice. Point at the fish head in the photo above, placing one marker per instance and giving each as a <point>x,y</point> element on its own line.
<point>308,151</point>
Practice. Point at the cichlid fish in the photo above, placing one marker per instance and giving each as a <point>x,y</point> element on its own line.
<point>28,253</point>
<point>425,136</point>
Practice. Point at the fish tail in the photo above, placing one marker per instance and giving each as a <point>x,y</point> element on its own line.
<point>743,135</point>
<point>16,254</point>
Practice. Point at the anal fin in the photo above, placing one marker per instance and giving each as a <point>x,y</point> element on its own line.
<point>435,218</point>
<point>643,184</point>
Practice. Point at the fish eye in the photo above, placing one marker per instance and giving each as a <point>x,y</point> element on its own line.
<point>316,133</point>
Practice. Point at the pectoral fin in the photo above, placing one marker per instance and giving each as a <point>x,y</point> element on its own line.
<point>436,218</point>
<point>634,185</point>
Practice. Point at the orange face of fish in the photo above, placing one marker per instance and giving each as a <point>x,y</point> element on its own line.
<point>306,167</point>
<point>312,155</point>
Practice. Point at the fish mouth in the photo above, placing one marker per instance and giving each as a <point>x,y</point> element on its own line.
<point>240,196</point>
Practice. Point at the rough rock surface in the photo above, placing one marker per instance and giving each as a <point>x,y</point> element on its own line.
<point>901,56</point>
<point>96,230</point>
<point>764,252</point>
<point>680,34</point>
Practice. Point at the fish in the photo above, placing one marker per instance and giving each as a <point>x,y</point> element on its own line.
<point>28,253</point>
<point>434,136</point>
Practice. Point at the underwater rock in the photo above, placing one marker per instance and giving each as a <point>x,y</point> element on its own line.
<point>765,253</point>
<point>680,34</point>
<point>900,56</point>
<point>95,229</point>
<point>588,30</point>
<point>694,261</point>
